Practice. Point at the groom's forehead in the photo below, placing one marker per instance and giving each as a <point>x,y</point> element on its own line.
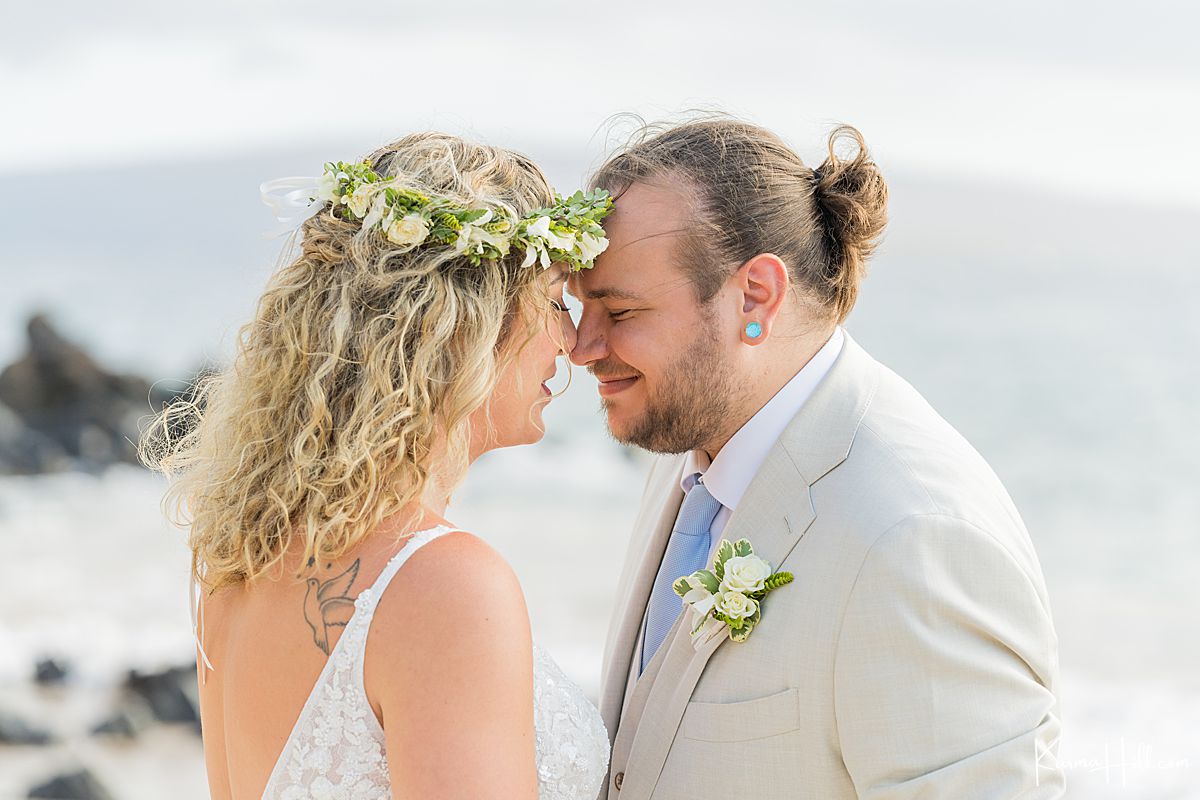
<point>637,277</point>
<point>645,211</point>
<point>643,232</point>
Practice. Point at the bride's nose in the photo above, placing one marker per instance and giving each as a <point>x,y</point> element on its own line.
<point>570,335</point>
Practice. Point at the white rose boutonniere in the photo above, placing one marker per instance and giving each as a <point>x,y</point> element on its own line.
<point>731,592</point>
<point>736,605</point>
<point>745,574</point>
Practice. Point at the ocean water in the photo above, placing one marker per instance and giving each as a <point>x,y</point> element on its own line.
<point>1060,336</point>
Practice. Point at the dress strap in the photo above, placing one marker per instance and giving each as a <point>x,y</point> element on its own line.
<point>368,599</point>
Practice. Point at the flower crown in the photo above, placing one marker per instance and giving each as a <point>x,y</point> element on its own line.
<point>568,231</point>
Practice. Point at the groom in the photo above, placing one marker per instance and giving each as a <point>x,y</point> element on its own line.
<point>914,654</point>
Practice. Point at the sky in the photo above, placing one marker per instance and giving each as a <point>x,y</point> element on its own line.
<point>1091,99</point>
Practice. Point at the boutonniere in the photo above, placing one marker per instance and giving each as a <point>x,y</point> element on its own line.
<point>729,595</point>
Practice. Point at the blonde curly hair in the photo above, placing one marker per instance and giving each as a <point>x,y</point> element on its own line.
<point>361,366</point>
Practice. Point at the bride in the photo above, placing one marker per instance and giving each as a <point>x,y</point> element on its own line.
<point>352,643</point>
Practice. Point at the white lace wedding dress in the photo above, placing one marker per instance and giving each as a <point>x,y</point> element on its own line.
<point>336,748</point>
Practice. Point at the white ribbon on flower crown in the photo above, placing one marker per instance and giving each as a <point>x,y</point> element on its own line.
<point>291,201</point>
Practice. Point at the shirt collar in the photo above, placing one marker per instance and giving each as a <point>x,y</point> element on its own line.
<point>729,475</point>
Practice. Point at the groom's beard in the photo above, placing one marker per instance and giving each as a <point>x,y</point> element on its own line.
<point>691,405</point>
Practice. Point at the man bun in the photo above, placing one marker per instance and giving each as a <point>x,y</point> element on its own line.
<point>850,196</point>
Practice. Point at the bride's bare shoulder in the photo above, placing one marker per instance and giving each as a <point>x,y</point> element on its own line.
<point>456,591</point>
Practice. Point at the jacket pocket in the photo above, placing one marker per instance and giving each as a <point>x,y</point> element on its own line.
<point>748,719</point>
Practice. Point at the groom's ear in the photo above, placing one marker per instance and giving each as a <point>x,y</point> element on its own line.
<point>763,282</point>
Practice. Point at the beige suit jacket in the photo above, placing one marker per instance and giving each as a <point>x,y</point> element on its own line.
<point>913,657</point>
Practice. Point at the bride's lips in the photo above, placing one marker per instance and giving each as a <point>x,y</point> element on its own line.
<point>610,386</point>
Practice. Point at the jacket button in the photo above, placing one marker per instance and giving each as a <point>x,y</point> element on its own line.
<point>617,780</point>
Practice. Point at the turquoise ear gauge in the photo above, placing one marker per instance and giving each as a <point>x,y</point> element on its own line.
<point>754,330</point>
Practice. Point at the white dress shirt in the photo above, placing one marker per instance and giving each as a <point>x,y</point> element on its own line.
<point>728,475</point>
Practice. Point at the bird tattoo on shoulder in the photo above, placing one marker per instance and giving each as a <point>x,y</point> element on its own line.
<point>328,604</point>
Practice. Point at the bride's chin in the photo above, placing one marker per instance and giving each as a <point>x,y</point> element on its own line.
<point>529,430</point>
<point>536,428</point>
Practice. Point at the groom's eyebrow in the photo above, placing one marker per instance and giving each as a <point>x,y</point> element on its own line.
<point>612,292</point>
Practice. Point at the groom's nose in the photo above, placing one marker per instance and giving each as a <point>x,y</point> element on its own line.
<point>590,343</point>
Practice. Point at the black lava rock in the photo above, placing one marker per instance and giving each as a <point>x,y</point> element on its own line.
<point>170,694</point>
<point>59,403</point>
<point>49,671</point>
<point>24,451</point>
<point>14,730</point>
<point>81,785</point>
<point>126,723</point>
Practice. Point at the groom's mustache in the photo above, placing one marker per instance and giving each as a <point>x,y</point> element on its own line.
<point>609,370</point>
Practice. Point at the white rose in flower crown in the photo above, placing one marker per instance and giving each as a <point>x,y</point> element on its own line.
<point>736,605</point>
<point>745,574</point>
<point>409,230</point>
<point>359,200</point>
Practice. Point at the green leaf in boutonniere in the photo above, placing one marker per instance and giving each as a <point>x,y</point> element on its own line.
<point>741,632</point>
<point>724,553</point>
<point>772,583</point>
<point>708,579</point>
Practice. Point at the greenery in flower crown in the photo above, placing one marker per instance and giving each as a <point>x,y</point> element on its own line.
<point>568,231</point>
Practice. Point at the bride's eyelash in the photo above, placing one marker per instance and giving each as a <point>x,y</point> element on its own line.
<point>560,307</point>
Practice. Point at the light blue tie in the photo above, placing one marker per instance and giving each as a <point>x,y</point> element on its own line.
<point>687,551</point>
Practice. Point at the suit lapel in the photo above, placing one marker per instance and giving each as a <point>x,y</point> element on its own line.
<point>774,515</point>
<point>649,541</point>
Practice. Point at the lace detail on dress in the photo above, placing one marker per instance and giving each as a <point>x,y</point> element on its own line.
<point>341,752</point>
<point>572,742</point>
<point>336,750</point>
